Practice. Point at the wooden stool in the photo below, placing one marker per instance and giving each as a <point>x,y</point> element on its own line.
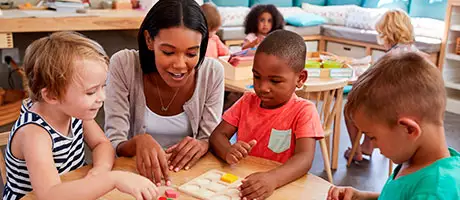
<point>331,97</point>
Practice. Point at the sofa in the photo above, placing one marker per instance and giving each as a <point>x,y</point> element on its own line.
<point>349,24</point>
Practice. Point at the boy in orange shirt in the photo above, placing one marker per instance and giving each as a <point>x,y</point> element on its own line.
<point>273,123</point>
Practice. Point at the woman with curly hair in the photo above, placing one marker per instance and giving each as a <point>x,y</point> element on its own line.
<point>260,21</point>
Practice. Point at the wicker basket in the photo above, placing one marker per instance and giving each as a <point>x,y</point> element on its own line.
<point>10,109</point>
<point>457,50</point>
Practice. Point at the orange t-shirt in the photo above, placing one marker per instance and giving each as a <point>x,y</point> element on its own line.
<point>216,48</point>
<point>275,130</point>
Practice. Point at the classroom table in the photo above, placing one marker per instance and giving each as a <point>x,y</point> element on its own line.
<point>307,187</point>
<point>312,85</point>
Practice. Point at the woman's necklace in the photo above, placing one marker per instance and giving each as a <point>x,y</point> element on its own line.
<point>163,108</point>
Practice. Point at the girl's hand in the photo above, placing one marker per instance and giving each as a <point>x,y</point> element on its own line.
<point>255,42</point>
<point>151,159</point>
<point>137,186</point>
<point>257,186</point>
<point>186,153</point>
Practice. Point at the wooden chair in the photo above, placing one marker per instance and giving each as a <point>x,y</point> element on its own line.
<point>328,99</point>
<point>354,147</point>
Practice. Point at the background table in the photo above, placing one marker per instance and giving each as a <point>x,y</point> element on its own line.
<point>307,187</point>
<point>312,85</point>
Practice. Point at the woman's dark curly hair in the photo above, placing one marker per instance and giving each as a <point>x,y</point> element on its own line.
<point>166,14</point>
<point>251,21</point>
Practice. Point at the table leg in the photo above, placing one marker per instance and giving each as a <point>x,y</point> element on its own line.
<point>336,139</point>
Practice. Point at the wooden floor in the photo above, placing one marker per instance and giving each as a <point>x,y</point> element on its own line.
<point>367,175</point>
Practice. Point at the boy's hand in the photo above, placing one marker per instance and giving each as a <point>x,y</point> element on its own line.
<point>343,193</point>
<point>238,151</point>
<point>257,186</point>
<point>137,186</point>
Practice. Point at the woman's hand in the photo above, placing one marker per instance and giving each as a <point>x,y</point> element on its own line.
<point>151,159</point>
<point>186,153</point>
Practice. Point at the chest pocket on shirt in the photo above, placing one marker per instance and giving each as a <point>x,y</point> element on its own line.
<point>280,140</point>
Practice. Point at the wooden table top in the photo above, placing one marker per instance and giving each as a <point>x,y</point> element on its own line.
<point>311,85</point>
<point>307,187</point>
<point>92,21</point>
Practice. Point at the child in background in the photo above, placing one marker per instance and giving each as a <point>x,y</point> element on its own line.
<point>273,123</point>
<point>395,33</point>
<point>215,47</point>
<point>66,75</point>
<point>260,21</point>
<point>399,104</point>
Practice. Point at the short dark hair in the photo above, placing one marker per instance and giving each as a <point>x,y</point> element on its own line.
<point>399,84</point>
<point>250,23</point>
<point>212,16</point>
<point>285,45</point>
<point>166,14</point>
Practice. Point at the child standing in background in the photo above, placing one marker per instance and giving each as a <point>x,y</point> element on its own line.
<point>260,21</point>
<point>215,47</point>
<point>273,123</point>
<point>66,75</point>
<point>399,104</point>
<point>395,33</point>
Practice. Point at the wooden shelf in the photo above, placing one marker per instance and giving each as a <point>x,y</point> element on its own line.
<point>452,85</point>
<point>455,28</point>
<point>452,56</point>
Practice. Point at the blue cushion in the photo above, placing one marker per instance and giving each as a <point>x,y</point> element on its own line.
<point>232,3</point>
<point>391,4</point>
<point>344,2</point>
<point>279,3</point>
<point>313,2</point>
<point>347,89</point>
<point>435,9</point>
<point>305,19</point>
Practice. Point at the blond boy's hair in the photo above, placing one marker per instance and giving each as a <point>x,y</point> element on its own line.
<point>49,62</point>
<point>395,27</point>
<point>212,16</point>
<point>405,84</point>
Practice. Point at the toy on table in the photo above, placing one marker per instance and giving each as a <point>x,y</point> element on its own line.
<point>215,185</point>
<point>170,193</point>
<point>242,57</point>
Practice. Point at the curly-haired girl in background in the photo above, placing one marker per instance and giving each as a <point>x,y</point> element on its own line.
<point>260,21</point>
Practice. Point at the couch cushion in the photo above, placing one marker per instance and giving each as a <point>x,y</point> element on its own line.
<point>313,2</point>
<point>232,3</point>
<point>237,33</point>
<point>334,14</point>
<point>305,31</point>
<point>305,19</point>
<point>290,11</point>
<point>364,18</point>
<point>401,4</point>
<point>279,3</point>
<point>428,8</point>
<point>343,2</point>
<point>233,16</point>
<point>428,27</point>
<point>426,44</point>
